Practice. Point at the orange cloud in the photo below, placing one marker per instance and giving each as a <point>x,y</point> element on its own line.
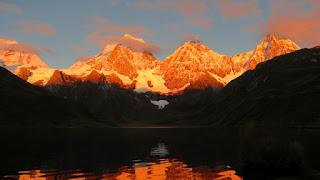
<point>36,27</point>
<point>192,9</point>
<point>297,20</point>
<point>230,9</point>
<point>102,25</point>
<point>135,44</point>
<point>11,44</point>
<point>10,8</point>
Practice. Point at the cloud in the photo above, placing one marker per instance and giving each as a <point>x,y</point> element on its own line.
<point>106,32</point>
<point>11,44</point>
<point>10,8</point>
<point>194,10</point>
<point>297,20</point>
<point>36,27</point>
<point>232,9</point>
<point>103,25</point>
<point>136,44</point>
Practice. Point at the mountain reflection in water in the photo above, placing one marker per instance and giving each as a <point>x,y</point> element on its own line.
<point>162,169</point>
<point>157,167</point>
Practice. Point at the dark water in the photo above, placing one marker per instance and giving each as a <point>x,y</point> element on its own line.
<point>159,153</point>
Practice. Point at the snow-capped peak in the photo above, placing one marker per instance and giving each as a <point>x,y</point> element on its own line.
<point>15,54</point>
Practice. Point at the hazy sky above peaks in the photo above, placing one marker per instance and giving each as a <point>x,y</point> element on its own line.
<point>64,30</point>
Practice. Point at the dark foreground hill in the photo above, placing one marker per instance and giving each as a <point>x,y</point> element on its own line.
<point>26,105</point>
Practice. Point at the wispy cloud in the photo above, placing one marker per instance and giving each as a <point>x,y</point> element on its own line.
<point>233,9</point>
<point>133,43</point>
<point>297,20</point>
<point>106,32</point>
<point>7,43</point>
<point>102,25</point>
<point>10,8</point>
<point>192,9</point>
<point>36,27</point>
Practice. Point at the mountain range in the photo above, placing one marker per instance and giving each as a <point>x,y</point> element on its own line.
<point>282,91</point>
<point>191,66</point>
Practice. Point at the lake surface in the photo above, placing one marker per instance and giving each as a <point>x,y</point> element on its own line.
<point>158,153</point>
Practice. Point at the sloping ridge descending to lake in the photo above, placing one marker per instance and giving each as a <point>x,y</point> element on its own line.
<point>283,91</point>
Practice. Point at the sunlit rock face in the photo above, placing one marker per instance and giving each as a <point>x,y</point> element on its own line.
<point>20,58</point>
<point>195,65</point>
<point>123,65</point>
<point>128,63</point>
<point>191,66</point>
<point>59,77</point>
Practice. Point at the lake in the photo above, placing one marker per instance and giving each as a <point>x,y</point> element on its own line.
<point>159,153</point>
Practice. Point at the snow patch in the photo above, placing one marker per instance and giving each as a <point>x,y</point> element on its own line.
<point>160,103</point>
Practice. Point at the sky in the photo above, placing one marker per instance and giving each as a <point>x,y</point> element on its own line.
<point>62,31</point>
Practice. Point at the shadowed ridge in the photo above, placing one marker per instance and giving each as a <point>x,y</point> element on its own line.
<point>26,105</point>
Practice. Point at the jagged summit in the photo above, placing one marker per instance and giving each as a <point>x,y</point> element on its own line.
<point>271,46</point>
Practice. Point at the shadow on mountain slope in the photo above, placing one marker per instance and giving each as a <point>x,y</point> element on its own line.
<point>26,105</point>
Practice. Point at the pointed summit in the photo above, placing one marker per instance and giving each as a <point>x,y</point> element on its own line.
<point>195,65</point>
<point>271,46</point>
<point>61,78</point>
